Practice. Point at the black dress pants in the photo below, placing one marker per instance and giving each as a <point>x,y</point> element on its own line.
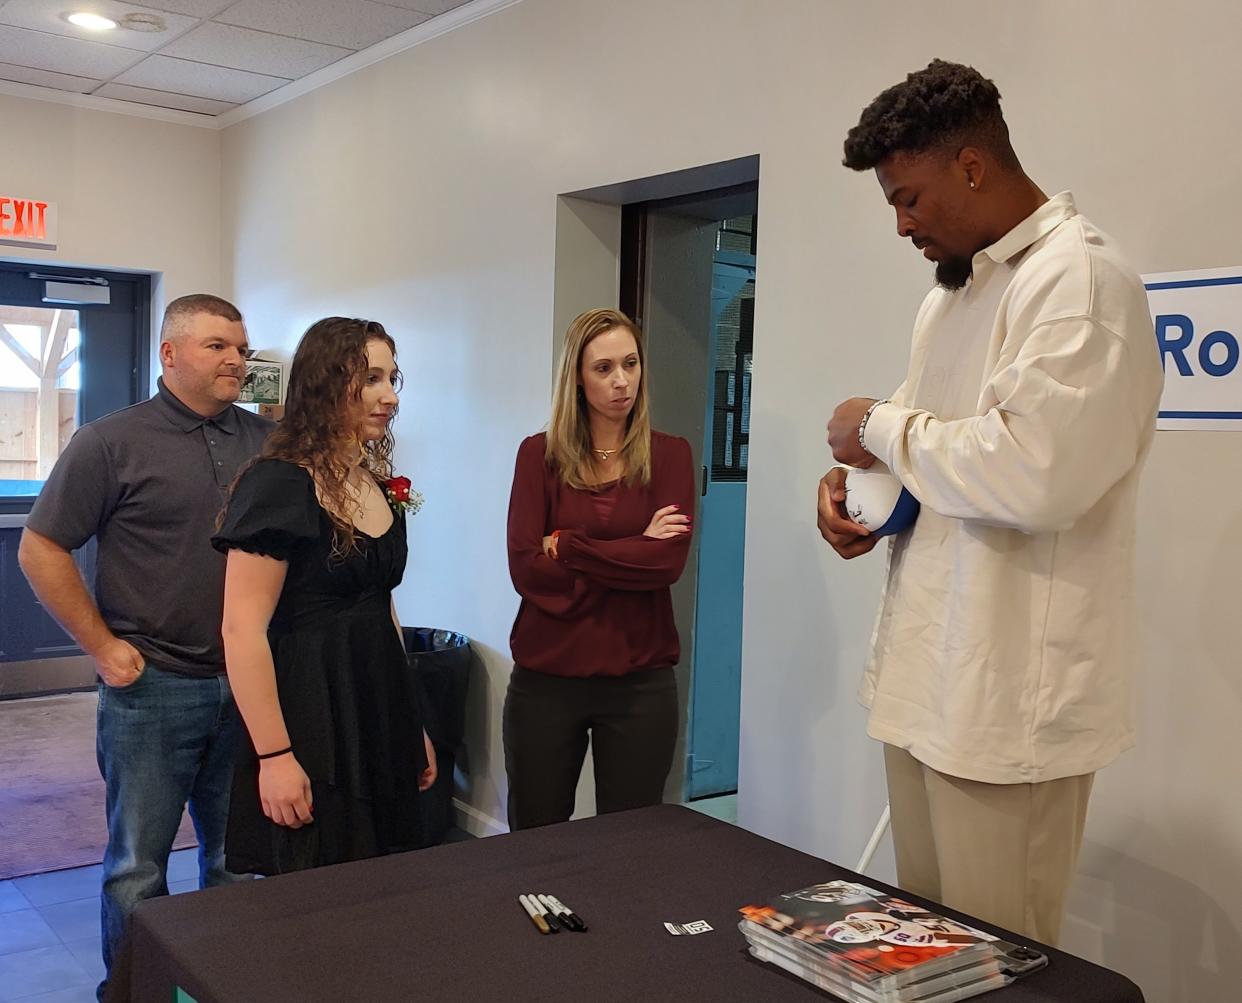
<point>630,721</point>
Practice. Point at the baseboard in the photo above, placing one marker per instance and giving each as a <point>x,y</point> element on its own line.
<point>477,823</point>
<point>46,676</point>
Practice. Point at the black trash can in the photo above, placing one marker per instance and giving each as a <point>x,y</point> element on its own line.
<point>441,660</point>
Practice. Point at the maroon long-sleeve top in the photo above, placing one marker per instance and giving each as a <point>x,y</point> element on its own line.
<point>603,607</point>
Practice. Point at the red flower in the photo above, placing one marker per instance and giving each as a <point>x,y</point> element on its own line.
<point>398,488</point>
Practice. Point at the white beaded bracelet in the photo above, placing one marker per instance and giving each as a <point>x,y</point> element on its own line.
<point>862,425</point>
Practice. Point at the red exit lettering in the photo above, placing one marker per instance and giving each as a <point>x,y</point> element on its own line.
<point>23,218</point>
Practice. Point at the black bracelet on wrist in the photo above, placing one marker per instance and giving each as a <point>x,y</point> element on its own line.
<point>273,755</point>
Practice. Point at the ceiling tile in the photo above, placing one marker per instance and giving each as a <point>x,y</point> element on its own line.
<point>432,7</point>
<point>49,16</point>
<point>354,25</point>
<point>23,47</point>
<point>180,76</point>
<point>195,8</point>
<point>42,78</point>
<point>257,51</point>
<point>162,99</point>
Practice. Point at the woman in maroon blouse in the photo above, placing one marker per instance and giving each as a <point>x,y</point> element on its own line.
<point>599,528</point>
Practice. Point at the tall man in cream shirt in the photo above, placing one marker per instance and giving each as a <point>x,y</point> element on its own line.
<point>1001,671</point>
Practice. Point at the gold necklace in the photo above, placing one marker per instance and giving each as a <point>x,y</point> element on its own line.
<point>604,453</point>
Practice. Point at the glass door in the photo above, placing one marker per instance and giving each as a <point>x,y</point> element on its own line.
<point>73,347</point>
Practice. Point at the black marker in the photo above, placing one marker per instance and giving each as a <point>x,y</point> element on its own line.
<point>574,921</point>
<point>559,911</point>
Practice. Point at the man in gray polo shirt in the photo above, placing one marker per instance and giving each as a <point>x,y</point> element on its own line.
<point>147,482</point>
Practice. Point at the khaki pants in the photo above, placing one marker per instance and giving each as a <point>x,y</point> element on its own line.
<point>1002,852</point>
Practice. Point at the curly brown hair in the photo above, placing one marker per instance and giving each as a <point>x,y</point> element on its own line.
<point>318,431</point>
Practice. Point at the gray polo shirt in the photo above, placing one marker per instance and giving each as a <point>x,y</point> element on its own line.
<point>148,483</point>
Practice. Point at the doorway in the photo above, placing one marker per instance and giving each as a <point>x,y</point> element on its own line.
<point>73,348</point>
<point>688,268</point>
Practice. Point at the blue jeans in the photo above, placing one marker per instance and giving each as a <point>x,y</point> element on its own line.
<point>161,742</point>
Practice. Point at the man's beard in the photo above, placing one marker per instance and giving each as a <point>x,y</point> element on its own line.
<point>953,273</point>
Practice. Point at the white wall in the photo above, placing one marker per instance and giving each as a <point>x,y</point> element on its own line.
<point>134,194</point>
<point>422,191</point>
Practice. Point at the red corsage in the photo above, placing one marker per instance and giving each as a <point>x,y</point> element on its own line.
<point>401,496</point>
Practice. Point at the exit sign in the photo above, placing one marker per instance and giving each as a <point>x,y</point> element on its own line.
<point>27,222</point>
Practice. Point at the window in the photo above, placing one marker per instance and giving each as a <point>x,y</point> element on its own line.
<point>65,360</point>
<point>39,382</point>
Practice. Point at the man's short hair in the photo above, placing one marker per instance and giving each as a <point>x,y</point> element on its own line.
<point>946,105</point>
<point>180,310</point>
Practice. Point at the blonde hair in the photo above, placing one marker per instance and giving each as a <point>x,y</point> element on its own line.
<point>569,431</point>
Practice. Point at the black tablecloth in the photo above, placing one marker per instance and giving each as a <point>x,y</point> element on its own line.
<point>445,924</point>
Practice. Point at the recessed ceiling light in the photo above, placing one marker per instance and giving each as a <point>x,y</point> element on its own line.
<point>91,22</point>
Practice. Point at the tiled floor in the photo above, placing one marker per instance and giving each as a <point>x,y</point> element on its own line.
<point>49,931</point>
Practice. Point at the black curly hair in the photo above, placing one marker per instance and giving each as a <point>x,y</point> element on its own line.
<point>944,105</point>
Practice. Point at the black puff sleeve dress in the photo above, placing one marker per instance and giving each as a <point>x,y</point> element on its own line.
<point>348,695</point>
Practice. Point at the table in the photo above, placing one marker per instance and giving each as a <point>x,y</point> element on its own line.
<point>445,924</point>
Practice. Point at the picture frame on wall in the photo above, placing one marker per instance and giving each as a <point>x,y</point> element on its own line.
<point>264,383</point>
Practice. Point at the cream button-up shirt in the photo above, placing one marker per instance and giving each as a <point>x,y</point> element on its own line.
<point>1004,647</point>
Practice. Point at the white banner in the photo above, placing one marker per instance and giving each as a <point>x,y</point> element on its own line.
<point>1198,319</point>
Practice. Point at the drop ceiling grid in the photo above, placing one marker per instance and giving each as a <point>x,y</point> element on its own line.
<point>213,56</point>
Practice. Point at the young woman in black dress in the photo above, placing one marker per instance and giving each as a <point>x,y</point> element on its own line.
<point>316,543</point>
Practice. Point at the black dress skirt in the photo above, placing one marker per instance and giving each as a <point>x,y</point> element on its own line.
<point>346,690</point>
